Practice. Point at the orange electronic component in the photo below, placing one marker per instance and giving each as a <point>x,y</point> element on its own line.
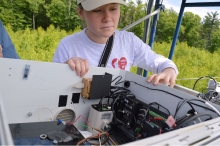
<point>87,87</point>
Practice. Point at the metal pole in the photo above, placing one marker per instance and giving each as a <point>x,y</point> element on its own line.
<point>5,133</point>
<point>146,28</point>
<point>177,29</point>
<point>153,29</point>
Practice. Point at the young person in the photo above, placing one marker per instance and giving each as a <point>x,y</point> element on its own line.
<point>85,48</point>
<point>7,49</point>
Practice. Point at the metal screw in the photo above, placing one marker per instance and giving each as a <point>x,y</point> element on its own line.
<point>29,114</point>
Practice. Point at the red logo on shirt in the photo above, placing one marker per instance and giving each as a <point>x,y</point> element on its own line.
<point>119,63</point>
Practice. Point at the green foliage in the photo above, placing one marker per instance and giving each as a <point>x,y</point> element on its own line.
<point>192,63</point>
<point>63,13</point>
<point>37,44</point>
<point>210,25</point>
<point>192,25</point>
<point>166,26</point>
<point>130,14</point>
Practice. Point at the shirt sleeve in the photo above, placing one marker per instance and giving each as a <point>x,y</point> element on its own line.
<point>7,45</point>
<point>60,55</point>
<point>146,58</point>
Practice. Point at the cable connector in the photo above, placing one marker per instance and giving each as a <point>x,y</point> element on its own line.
<point>79,85</point>
<point>171,122</point>
<point>59,121</point>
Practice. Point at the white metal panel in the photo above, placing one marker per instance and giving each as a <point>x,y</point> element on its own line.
<point>39,95</point>
<point>164,95</point>
<point>41,90</point>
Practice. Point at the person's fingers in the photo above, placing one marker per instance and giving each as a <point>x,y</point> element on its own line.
<point>158,78</point>
<point>71,64</point>
<point>86,65</point>
<point>172,81</point>
<point>164,78</point>
<point>165,81</point>
<point>83,69</point>
<point>151,78</point>
<point>78,67</point>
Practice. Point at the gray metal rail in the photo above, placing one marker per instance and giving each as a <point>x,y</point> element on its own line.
<point>5,134</point>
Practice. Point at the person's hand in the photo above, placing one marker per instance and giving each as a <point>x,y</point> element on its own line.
<point>167,77</point>
<point>1,54</point>
<point>80,65</point>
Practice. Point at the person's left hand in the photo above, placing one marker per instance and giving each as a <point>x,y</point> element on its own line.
<point>167,77</point>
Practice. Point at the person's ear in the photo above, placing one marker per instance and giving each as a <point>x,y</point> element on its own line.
<point>80,13</point>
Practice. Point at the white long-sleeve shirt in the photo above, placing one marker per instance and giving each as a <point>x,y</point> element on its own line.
<point>127,50</point>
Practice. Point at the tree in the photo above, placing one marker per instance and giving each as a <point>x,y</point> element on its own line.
<point>34,6</point>
<point>166,26</point>
<point>11,12</point>
<point>192,26</point>
<point>63,14</point>
<point>215,41</point>
<point>210,24</point>
<point>130,14</point>
<point>127,14</point>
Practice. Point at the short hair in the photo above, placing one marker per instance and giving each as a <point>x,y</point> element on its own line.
<point>80,6</point>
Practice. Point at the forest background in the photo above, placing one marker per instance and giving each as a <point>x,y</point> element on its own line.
<point>37,26</point>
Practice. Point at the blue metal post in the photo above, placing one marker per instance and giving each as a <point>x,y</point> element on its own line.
<point>146,29</point>
<point>153,30</point>
<point>177,29</point>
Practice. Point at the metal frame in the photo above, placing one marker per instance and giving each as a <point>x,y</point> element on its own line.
<point>179,21</point>
<point>5,134</point>
<point>183,5</point>
<point>153,29</point>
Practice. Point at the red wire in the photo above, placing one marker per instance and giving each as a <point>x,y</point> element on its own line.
<point>159,119</point>
<point>78,118</point>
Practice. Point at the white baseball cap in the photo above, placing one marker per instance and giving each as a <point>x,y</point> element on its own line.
<point>89,5</point>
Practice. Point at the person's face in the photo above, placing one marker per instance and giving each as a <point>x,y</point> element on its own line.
<point>101,22</point>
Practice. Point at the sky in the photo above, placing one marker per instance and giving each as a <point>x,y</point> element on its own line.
<point>201,11</point>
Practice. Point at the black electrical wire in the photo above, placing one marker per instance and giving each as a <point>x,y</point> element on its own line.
<point>122,132</point>
<point>120,138</point>
<point>100,102</point>
<point>114,116</point>
<point>187,100</point>
<point>120,77</point>
<point>192,118</point>
<point>181,104</point>
<point>204,77</point>
<point>173,95</point>
<point>155,103</point>
<point>118,89</point>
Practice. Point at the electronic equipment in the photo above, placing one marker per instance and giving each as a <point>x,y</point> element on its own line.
<point>212,93</point>
<point>99,117</point>
<point>140,111</point>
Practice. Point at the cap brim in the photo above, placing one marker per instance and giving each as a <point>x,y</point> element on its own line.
<point>89,5</point>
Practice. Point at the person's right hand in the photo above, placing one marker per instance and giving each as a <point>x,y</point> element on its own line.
<point>1,54</point>
<point>80,65</point>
